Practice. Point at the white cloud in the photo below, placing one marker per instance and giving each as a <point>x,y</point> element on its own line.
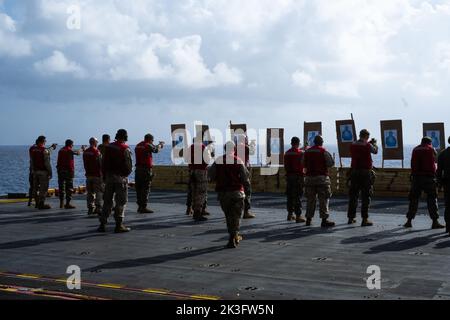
<point>11,44</point>
<point>183,62</point>
<point>57,63</point>
<point>302,79</point>
<point>305,81</point>
<point>342,53</point>
<point>250,16</point>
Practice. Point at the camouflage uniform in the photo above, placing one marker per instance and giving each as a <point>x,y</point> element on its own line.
<point>294,192</point>
<point>199,157</point>
<point>95,189</point>
<point>231,202</point>
<point>65,185</point>
<point>41,179</point>
<point>360,181</point>
<point>423,167</point>
<point>41,183</point>
<point>143,179</point>
<point>189,194</point>
<point>248,190</point>
<point>293,165</point>
<point>116,188</point>
<point>428,185</point>
<point>443,175</point>
<point>318,185</point>
<point>199,189</point>
<point>362,178</point>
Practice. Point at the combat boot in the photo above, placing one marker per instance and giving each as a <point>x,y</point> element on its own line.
<point>101,228</point>
<point>248,215</point>
<point>290,217</point>
<point>120,227</point>
<point>145,210</point>
<point>308,222</point>
<point>189,211</point>
<point>199,218</point>
<point>436,225</point>
<point>366,223</point>
<point>233,242</point>
<point>69,206</point>
<point>327,224</point>
<point>408,224</point>
<point>61,204</point>
<point>299,219</point>
<point>351,221</point>
<point>43,206</point>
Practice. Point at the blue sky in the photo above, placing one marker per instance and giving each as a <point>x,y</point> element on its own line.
<point>143,65</point>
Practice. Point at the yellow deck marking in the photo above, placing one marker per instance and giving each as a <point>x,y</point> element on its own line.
<point>6,201</point>
<point>157,291</point>
<point>29,276</point>
<point>204,297</point>
<point>111,285</point>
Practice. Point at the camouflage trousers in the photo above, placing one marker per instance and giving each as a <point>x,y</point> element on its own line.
<point>428,185</point>
<point>40,186</point>
<point>189,194</point>
<point>232,204</point>
<point>199,187</point>
<point>317,188</point>
<point>248,192</point>
<point>118,192</point>
<point>294,193</point>
<point>94,189</point>
<point>361,182</point>
<point>30,190</point>
<point>143,179</point>
<point>447,203</point>
<point>65,185</point>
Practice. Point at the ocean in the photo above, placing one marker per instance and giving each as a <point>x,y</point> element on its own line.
<point>14,166</point>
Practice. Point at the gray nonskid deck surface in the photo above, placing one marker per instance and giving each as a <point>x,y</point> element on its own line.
<point>276,260</point>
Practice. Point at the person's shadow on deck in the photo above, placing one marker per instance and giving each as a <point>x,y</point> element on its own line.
<point>406,244</point>
<point>131,263</point>
<point>371,237</point>
<point>36,242</point>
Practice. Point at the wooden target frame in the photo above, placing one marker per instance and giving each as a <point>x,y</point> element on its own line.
<point>392,130</point>
<point>178,130</point>
<point>435,127</point>
<point>310,127</point>
<point>344,144</point>
<point>272,134</point>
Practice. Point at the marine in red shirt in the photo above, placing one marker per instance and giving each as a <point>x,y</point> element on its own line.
<point>41,169</point>
<point>317,161</point>
<point>199,157</point>
<point>362,177</point>
<point>117,165</point>
<point>92,159</point>
<point>423,179</point>
<point>231,176</point>
<point>295,180</point>
<point>66,173</point>
<point>144,171</point>
<point>243,151</point>
<point>443,177</point>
